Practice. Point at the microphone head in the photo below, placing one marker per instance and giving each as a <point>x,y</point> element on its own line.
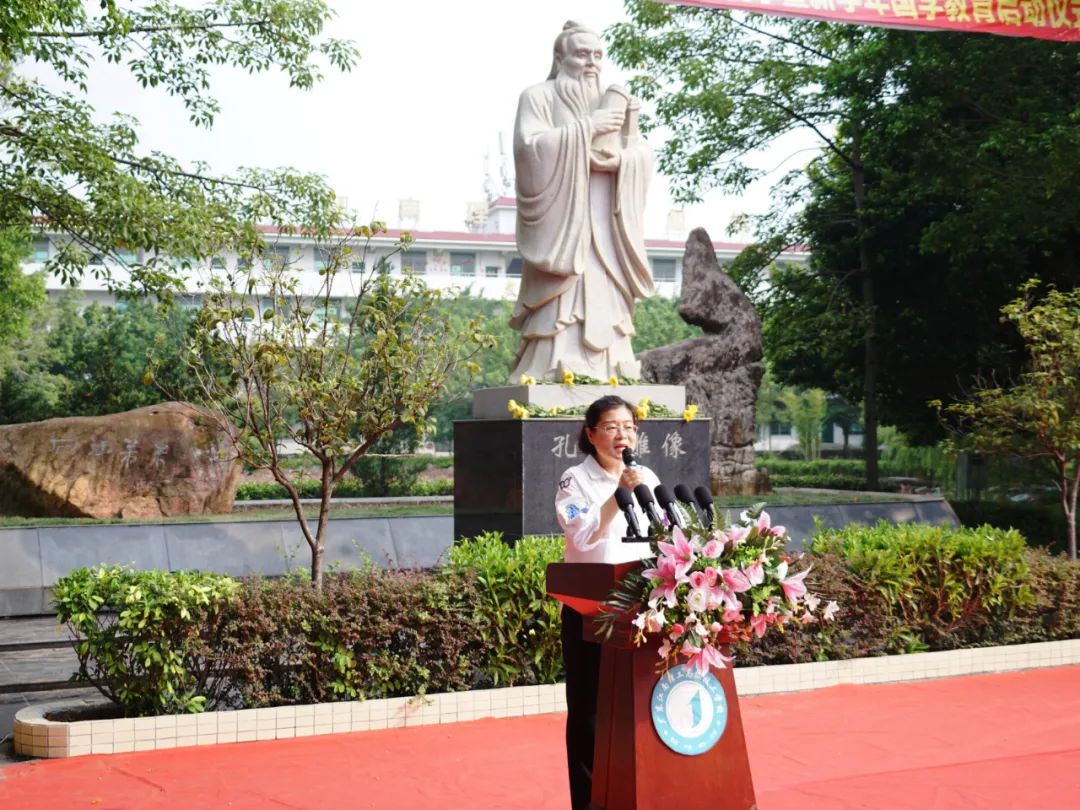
<point>682,492</point>
<point>663,495</point>
<point>628,457</point>
<point>623,498</point>
<point>644,497</point>
<point>703,497</point>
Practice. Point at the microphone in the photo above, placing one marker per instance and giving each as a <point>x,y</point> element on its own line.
<point>626,503</point>
<point>683,493</point>
<point>705,501</point>
<point>628,457</point>
<point>667,503</point>
<point>645,498</point>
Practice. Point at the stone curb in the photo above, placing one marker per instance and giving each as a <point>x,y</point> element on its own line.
<point>37,737</point>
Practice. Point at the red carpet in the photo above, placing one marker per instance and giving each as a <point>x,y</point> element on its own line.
<point>990,741</point>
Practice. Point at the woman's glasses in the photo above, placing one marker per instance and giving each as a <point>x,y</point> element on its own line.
<point>611,428</point>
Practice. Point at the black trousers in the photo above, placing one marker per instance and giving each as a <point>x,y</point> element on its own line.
<point>582,661</point>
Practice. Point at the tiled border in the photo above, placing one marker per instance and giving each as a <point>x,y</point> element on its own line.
<point>35,736</point>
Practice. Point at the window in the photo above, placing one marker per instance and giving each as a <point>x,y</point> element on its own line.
<point>322,258</point>
<point>41,249</point>
<point>663,270</point>
<point>414,261</point>
<point>127,256</point>
<point>513,270</point>
<point>217,263</point>
<point>462,264</point>
<point>779,428</point>
<point>277,255</point>
<point>491,272</point>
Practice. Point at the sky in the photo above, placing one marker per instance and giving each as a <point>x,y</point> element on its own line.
<point>436,86</point>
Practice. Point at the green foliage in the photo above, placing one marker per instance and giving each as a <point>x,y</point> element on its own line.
<point>348,488</point>
<point>20,295</point>
<point>927,464</point>
<point>518,623</point>
<point>657,323</point>
<point>141,637</point>
<point>93,360</point>
<point>366,634</point>
<point>945,587</point>
<point>805,411</point>
<point>81,169</point>
<point>332,380</point>
<point>1042,524</point>
<point>1038,417</point>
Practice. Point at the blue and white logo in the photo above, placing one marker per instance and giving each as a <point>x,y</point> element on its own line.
<point>689,710</point>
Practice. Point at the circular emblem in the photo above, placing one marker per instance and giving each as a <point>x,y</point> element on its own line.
<point>689,710</point>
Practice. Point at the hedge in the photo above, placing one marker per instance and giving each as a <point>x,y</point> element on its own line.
<point>155,642</point>
<point>347,488</point>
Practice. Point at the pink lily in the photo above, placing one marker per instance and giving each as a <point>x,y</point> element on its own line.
<point>759,624</point>
<point>703,658</point>
<point>682,551</point>
<point>712,549</point>
<point>755,573</point>
<point>736,580</point>
<point>667,576</point>
<point>732,616</point>
<point>737,535</point>
<point>794,587</point>
<point>830,611</point>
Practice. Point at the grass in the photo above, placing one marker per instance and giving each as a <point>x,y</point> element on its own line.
<point>246,514</point>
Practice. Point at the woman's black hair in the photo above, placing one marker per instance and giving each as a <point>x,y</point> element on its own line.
<point>592,419</point>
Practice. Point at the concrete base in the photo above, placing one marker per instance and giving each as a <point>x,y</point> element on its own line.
<point>490,403</point>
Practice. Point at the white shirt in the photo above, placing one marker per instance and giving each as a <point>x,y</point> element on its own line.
<point>583,491</point>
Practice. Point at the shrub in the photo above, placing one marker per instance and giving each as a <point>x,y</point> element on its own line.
<point>368,634</point>
<point>946,587</point>
<point>861,628</point>
<point>1043,525</point>
<point>142,637</point>
<point>518,622</point>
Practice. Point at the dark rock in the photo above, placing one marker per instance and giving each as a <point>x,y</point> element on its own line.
<point>720,370</point>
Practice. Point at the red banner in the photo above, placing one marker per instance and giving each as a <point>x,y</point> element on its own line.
<point>1045,19</point>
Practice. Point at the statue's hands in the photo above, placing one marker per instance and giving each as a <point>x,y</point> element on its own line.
<point>605,121</point>
<point>604,160</point>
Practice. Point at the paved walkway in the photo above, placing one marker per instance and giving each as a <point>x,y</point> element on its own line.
<point>989,742</point>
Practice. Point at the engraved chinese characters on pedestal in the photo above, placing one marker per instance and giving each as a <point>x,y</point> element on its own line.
<point>169,459</point>
<point>582,175</point>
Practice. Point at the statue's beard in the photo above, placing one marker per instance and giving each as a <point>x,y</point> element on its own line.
<point>581,95</point>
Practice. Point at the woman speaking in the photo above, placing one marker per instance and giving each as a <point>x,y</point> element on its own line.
<point>594,527</point>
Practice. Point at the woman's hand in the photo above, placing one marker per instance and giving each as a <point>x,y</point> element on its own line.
<point>630,478</point>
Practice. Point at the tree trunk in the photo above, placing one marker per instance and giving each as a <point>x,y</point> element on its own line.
<point>1068,503</point>
<point>320,533</point>
<point>869,307</point>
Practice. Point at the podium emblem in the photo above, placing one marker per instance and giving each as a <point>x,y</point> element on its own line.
<point>689,710</point>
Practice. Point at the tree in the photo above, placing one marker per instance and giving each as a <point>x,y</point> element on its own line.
<point>1038,416</point>
<point>969,193</point>
<point>805,411</point>
<point>92,360</point>
<point>82,173</point>
<point>729,85</point>
<point>329,374</point>
<point>657,322</point>
<point>20,295</point>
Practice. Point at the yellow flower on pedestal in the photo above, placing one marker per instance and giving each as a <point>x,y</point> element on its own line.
<point>643,408</point>
<point>613,380</point>
<point>689,413</point>
<point>517,411</point>
<point>527,380</point>
<point>568,377</point>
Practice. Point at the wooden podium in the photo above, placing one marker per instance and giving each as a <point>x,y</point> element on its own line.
<point>633,768</point>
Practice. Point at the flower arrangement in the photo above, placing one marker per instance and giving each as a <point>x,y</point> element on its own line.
<point>706,589</point>
<point>645,410</point>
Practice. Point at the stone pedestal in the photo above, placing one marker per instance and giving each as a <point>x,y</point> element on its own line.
<point>490,403</point>
<point>506,470</point>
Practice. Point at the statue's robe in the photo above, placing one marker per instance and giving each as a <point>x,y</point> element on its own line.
<point>581,237</point>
